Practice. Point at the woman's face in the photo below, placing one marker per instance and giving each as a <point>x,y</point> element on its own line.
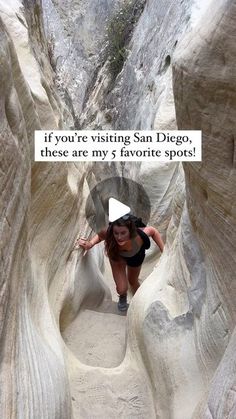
<point>121,234</point>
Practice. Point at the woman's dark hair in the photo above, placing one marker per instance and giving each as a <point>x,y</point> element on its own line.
<point>111,246</point>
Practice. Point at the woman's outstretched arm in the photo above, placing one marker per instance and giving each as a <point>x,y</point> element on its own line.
<point>155,235</point>
<point>88,244</point>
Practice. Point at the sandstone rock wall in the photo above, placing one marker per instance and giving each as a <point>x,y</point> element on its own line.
<point>76,31</point>
<point>205,63</point>
<point>33,376</point>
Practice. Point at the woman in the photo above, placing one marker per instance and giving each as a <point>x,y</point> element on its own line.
<point>125,246</point>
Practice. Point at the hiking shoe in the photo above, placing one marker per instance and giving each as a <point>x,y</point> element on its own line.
<point>122,303</point>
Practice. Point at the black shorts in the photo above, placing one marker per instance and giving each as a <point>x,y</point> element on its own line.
<point>136,260</point>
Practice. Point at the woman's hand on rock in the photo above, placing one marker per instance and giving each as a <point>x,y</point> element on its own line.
<point>85,244</point>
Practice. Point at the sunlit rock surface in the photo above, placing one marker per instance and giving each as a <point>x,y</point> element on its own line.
<point>76,33</point>
<point>173,356</point>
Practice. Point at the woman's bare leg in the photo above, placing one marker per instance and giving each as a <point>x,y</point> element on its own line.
<point>133,274</point>
<point>120,277</point>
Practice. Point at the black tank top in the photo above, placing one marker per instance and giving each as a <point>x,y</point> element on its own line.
<point>135,247</point>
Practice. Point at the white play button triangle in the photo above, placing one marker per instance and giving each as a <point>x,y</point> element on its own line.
<point>116,209</point>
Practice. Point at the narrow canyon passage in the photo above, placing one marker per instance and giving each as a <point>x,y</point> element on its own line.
<point>97,336</point>
<point>100,371</point>
<point>66,351</point>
